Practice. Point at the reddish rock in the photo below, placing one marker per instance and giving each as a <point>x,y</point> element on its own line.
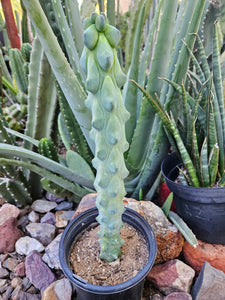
<point>169,239</point>
<point>172,276</point>
<point>9,234</point>
<point>212,253</point>
<point>8,211</point>
<point>178,296</point>
<point>20,269</point>
<point>88,202</point>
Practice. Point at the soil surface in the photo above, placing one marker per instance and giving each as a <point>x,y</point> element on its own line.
<point>86,263</point>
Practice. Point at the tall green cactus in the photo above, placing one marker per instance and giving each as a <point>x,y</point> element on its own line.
<point>104,80</point>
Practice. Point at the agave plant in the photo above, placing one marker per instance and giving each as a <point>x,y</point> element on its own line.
<point>199,135</point>
<point>60,35</point>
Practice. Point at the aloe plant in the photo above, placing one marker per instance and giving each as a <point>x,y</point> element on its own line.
<point>199,139</point>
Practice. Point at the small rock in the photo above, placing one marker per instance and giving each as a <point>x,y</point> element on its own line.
<point>3,282</point>
<point>51,256</point>
<point>58,290</point>
<point>28,296</point>
<point>43,206</point>
<point>10,263</point>
<point>3,273</point>
<point>49,218</point>
<point>16,293</point>
<point>9,234</point>
<point>172,276</point>
<point>43,232</point>
<point>54,198</point>
<point>212,253</point>
<point>25,245</point>
<point>178,296</point>
<point>23,222</point>
<point>24,211</point>
<point>8,211</point>
<point>169,239</point>
<point>33,217</point>
<point>65,205</point>
<point>63,217</point>
<point>38,272</point>
<point>209,284</point>
<point>26,283</point>
<point>8,293</point>
<point>20,269</point>
<point>3,257</point>
<point>16,281</point>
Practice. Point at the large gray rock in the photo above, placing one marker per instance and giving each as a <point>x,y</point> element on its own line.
<point>209,284</point>
<point>172,276</point>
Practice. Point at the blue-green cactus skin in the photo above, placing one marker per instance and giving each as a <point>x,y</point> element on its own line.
<point>104,80</point>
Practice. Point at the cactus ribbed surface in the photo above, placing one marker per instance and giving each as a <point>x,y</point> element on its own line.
<point>104,80</point>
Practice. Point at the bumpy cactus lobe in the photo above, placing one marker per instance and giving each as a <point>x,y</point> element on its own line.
<point>104,80</point>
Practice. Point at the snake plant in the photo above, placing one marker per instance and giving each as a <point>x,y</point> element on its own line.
<point>199,137</point>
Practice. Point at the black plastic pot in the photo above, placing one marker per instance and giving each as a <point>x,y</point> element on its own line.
<point>203,209</point>
<point>129,290</point>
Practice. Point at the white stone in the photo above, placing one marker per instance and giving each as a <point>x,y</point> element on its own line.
<point>25,245</point>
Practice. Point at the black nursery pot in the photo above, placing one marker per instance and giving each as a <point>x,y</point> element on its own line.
<point>129,290</point>
<point>203,209</point>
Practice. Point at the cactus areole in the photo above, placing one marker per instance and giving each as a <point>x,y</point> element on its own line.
<point>104,80</point>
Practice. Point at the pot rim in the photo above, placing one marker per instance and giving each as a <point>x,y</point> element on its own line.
<point>111,289</point>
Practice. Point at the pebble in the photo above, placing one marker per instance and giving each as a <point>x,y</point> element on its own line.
<point>33,217</point>
<point>65,205</point>
<point>49,218</point>
<point>43,206</point>
<point>10,263</point>
<point>16,281</point>
<point>20,269</point>
<point>63,218</point>
<point>2,282</point>
<point>43,232</point>
<point>25,245</point>
<point>3,273</point>
<point>54,198</point>
<point>38,272</point>
<point>58,290</point>
<point>178,296</point>
<point>9,234</point>
<point>8,211</point>
<point>51,256</point>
